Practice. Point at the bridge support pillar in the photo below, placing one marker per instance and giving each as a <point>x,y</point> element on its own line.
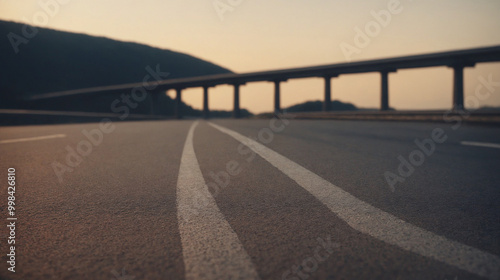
<point>236,107</point>
<point>458,87</point>
<point>206,110</point>
<point>178,103</point>
<point>384,96</point>
<point>277,106</point>
<point>327,102</point>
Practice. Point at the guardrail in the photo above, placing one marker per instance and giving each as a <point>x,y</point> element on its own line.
<point>457,60</point>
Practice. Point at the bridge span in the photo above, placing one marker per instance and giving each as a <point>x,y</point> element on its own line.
<point>456,60</point>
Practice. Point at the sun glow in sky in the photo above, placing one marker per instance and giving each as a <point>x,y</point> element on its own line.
<point>247,36</point>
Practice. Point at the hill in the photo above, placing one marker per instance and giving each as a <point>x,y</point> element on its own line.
<point>54,61</point>
<point>314,106</point>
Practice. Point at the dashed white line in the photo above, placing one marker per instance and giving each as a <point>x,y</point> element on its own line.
<point>480,144</point>
<point>370,220</point>
<point>210,247</point>
<point>32,138</point>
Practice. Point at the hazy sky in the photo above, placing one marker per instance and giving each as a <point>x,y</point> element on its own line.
<point>253,35</point>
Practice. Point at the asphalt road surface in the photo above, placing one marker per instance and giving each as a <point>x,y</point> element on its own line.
<point>251,199</point>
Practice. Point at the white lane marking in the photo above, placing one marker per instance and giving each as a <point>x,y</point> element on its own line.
<point>481,144</point>
<point>210,247</point>
<point>32,138</point>
<point>372,221</point>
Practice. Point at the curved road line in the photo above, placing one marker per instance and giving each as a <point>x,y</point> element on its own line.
<point>210,247</point>
<point>372,221</point>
